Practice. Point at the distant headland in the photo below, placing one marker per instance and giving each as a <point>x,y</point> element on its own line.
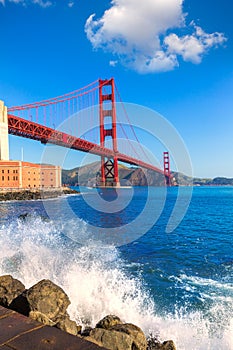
<point>133,176</point>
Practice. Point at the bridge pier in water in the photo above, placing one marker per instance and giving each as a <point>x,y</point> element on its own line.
<point>107,110</point>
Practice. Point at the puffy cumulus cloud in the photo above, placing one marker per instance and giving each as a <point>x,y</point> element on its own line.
<point>192,47</point>
<point>141,34</point>
<point>41,3</point>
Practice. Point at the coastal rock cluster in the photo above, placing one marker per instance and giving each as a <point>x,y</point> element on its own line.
<point>47,303</point>
<point>34,194</point>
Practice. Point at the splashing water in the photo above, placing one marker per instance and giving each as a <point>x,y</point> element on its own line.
<point>98,282</point>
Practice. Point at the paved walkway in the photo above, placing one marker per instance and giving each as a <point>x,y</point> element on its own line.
<point>22,333</point>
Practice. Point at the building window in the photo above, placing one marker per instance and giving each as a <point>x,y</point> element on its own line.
<point>2,178</point>
<point>8,178</point>
<point>8,171</point>
<point>16,178</point>
<point>13,178</point>
<point>3,171</point>
<point>16,171</point>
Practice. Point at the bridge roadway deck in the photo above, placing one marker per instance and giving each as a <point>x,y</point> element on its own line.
<point>25,128</point>
<point>22,333</point>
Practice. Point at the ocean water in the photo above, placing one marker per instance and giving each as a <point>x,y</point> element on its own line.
<point>174,285</point>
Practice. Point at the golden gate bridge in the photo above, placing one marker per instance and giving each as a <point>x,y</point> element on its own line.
<point>38,121</point>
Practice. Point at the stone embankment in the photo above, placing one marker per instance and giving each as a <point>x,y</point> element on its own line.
<point>34,194</point>
<point>47,303</point>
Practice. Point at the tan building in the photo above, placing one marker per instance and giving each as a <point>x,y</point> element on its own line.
<point>24,175</point>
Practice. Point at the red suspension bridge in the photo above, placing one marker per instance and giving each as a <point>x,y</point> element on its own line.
<point>54,121</point>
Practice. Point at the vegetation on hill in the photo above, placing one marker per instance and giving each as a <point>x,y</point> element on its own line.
<point>88,175</point>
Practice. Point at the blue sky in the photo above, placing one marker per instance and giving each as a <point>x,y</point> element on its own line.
<point>172,56</point>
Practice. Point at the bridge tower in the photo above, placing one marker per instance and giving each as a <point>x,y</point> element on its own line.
<point>4,142</point>
<point>107,114</point>
<point>166,167</point>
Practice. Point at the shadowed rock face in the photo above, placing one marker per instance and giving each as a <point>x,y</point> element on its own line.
<point>10,288</point>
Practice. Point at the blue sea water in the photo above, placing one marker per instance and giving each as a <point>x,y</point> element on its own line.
<point>117,256</point>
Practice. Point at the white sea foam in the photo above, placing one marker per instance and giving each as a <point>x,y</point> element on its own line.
<point>98,283</point>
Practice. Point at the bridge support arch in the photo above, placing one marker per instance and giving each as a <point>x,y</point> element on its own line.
<point>107,110</point>
<point>4,140</point>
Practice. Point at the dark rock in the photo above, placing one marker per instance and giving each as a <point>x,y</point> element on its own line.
<point>20,304</point>
<point>108,321</point>
<point>23,216</point>
<point>49,299</point>
<point>26,216</point>
<point>168,345</point>
<point>10,288</point>
<point>86,331</point>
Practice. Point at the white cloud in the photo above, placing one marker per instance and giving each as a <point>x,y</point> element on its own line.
<point>113,63</point>
<point>70,3</point>
<point>192,47</point>
<point>41,3</point>
<point>141,34</point>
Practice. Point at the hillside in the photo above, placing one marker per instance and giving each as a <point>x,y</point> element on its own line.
<point>129,176</point>
<point>133,176</point>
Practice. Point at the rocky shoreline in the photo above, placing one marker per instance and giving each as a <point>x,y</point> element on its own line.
<point>47,303</point>
<point>35,194</point>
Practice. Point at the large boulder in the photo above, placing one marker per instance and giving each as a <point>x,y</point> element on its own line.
<point>48,299</point>
<point>112,334</point>
<point>112,340</point>
<point>10,288</point>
